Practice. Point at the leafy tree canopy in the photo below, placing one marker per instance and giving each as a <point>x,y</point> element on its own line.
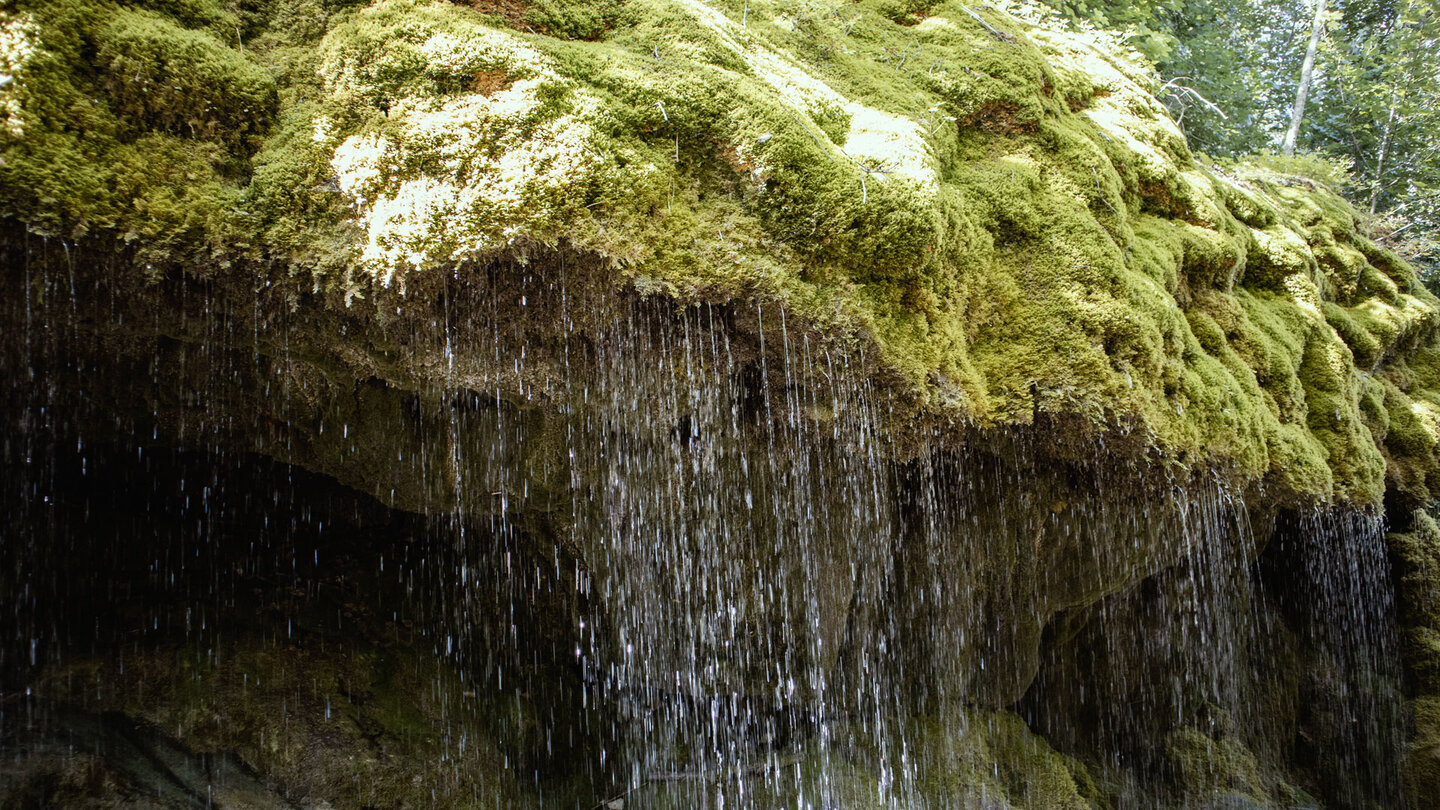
<point>1231,68</point>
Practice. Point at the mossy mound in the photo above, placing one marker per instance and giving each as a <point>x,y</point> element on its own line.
<point>1221,772</point>
<point>135,121</point>
<point>993,759</point>
<point>1005,211</point>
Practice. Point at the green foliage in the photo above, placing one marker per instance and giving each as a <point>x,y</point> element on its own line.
<point>1143,22</point>
<point>1333,172</point>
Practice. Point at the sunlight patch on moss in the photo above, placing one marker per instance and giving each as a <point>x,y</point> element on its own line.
<point>18,34</point>
<point>881,138</point>
<point>1003,213</point>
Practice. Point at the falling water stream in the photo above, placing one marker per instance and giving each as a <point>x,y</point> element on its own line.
<point>519,540</point>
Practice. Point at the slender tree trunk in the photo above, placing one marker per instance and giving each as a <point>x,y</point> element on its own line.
<point>1307,74</point>
<point>1380,161</point>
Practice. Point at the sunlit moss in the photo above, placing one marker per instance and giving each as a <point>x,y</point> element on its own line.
<point>135,127</point>
<point>1005,213</point>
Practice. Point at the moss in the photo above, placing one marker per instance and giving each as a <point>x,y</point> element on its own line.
<point>1363,346</point>
<point>160,77</point>
<point>1411,441</point>
<point>1212,772</point>
<point>832,120</point>
<point>1248,207</point>
<point>571,20</point>
<point>136,127</point>
<point>1418,552</point>
<point>995,759</point>
<point>905,12</point>
<point>1422,763</point>
<point>1011,218</point>
<point>1208,767</point>
<point>1034,774</point>
<point>219,18</point>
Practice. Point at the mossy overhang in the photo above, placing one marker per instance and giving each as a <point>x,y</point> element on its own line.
<point>1002,210</point>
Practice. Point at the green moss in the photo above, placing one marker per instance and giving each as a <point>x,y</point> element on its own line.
<point>832,119</point>
<point>1035,776</point>
<point>905,12</point>
<point>1364,347</point>
<point>1013,219</point>
<point>162,78</point>
<point>571,20</point>
<point>1247,207</point>
<point>994,758</point>
<point>138,128</point>
<point>195,14</point>
<point>1209,767</point>
<point>1418,552</point>
<point>1221,771</point>
<point>1422,763</point>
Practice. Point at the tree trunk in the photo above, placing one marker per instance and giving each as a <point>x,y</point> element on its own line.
<point>1307,74</point>
<point>1380,161</point>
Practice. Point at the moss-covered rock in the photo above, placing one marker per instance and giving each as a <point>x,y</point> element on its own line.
<point>981,759</point>
<point>1001,218</point>
<point>1221,772</point>
<point>1422,770</point>
<point>130,124</point>
<point>1417,556</point>
<point>1005,211</point>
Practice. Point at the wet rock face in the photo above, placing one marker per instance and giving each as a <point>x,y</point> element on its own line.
<point>220,629</point>
<point>720,481</point>
<point>1285,690</point>
<point>617,544</point>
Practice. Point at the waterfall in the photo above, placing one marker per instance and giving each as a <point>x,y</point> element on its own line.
<point>613,550</point>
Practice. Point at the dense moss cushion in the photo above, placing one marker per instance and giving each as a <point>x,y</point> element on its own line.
<point>1004,212</point>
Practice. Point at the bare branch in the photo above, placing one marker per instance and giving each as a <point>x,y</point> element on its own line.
<point>1180,90</point>
<point>990,29</point>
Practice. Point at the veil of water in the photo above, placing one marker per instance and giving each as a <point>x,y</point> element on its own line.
<point>627,553</point>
